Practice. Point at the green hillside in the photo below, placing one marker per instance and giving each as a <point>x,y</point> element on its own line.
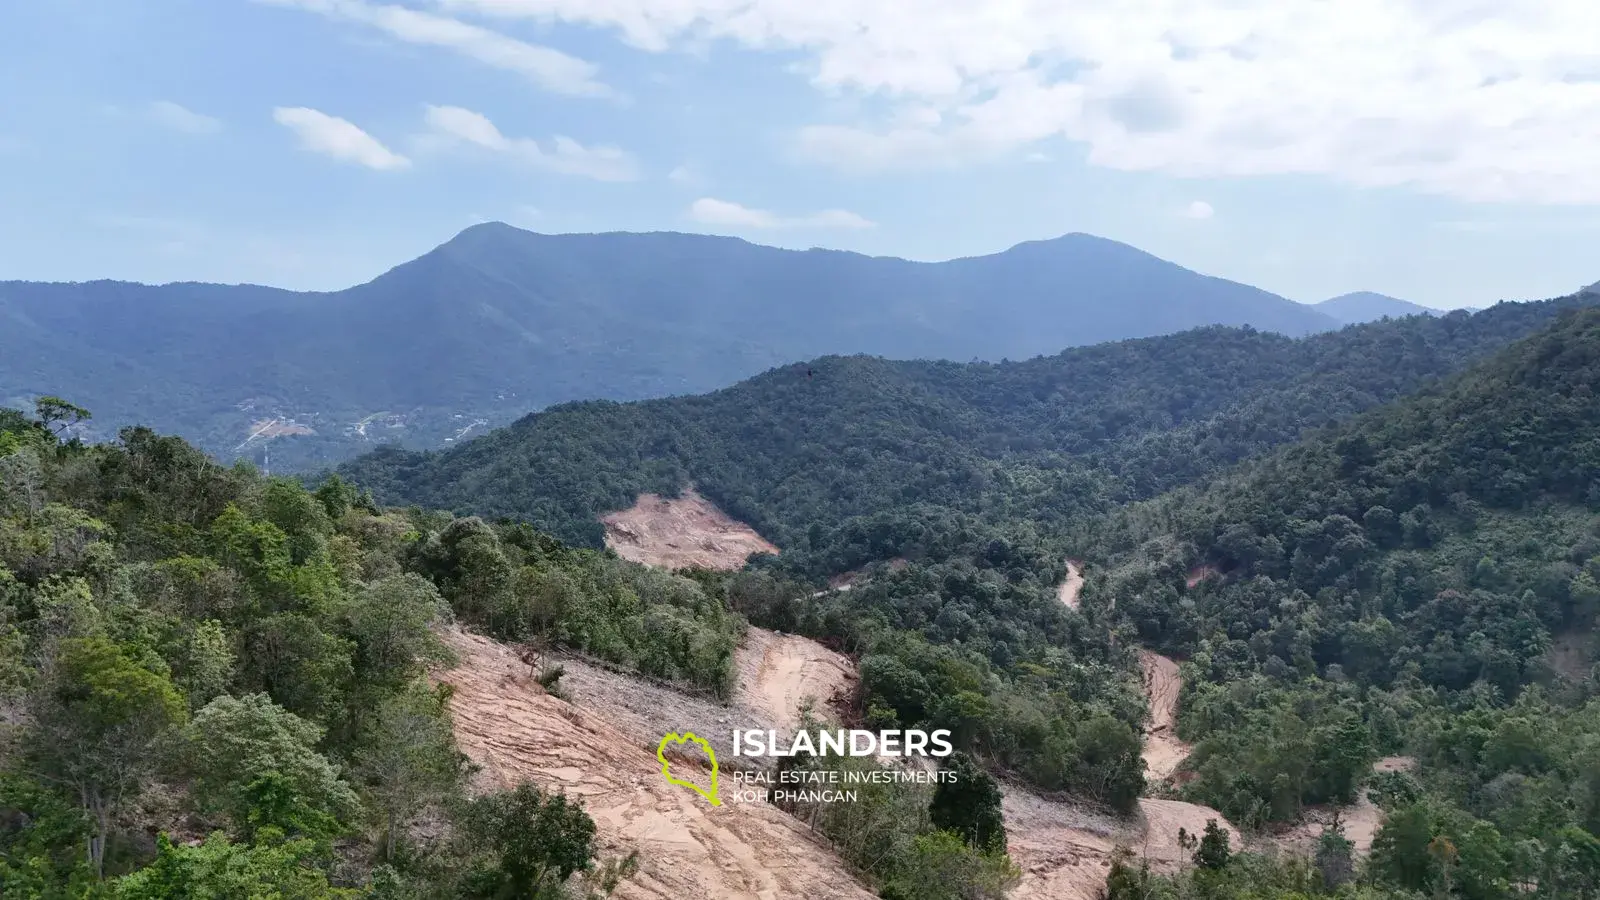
<point>1396,586</point>
<point>824,443</point>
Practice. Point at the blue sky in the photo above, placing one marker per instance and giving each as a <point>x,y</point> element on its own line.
<point>1307,148</point>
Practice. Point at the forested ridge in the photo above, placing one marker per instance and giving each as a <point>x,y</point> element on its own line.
<point>829,442</point>
<point>498,321</point>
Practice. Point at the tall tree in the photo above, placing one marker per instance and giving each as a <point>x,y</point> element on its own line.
<point>99,715</point>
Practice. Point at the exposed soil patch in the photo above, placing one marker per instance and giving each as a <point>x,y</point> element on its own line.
<point>1065,849</point>
<point>1163,752</point>
<point>688,849</point>
<point>1068,591</point>
<point>688,531</point>
<point>1163,819</point>
<point>645,710</point>
<point>1360,820</point>
<point>1572,654</point>
<point>778,673</point>
<point>1199,574</point>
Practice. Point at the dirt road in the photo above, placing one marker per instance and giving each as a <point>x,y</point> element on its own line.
<point>689,850</point>
<point>688,531</point>
<point>1163,752</point>
<point>779,672</point>
<point>1360,820</point>
<point>1071,585</point>
<point>1064,849</point>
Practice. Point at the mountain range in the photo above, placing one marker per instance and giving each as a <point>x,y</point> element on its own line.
<point>499,321</point>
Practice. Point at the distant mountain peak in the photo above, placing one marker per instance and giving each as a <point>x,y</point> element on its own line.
<point>1367,306</point>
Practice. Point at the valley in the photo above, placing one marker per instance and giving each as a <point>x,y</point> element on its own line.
<point>1381,602</point>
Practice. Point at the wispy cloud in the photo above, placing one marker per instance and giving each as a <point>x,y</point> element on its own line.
<point>179,118</point>
<point>551,69</point>
<point>711,211</point>
<point>334,137</point>
<point>454,125</point>
<point>686,176</point>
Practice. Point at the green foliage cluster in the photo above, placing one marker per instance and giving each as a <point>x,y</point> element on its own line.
<point>213,683</point>
<point>914,841</point>
<point>515,584</point>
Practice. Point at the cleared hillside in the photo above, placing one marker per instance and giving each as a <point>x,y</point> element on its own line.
<point>687,848</point>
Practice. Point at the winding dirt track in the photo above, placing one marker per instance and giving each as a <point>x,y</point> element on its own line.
<point>1163,752</point>
<point>688,849</point>
<point>1064,849</point>
<point>1071,585</point>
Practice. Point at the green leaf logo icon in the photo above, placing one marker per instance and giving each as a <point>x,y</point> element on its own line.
<point>666,767</point>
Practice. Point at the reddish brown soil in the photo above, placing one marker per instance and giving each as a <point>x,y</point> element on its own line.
<point>688,531</point>
<point>1163,752</point>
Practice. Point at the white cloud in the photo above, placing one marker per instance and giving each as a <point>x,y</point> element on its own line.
<point>549,68</point>
<point>711,211</point>
<point>455,125</point>
<point>335,137</point>
<point>685,176</point>
<point>178,118</point>
<point>1471,99</point>
<point>1198,209</point>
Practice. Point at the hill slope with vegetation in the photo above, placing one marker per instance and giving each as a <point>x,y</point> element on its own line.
<point>218,684</point>
<point>805,453</point>
<point>1395,586</point>
<point>213,684</point>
